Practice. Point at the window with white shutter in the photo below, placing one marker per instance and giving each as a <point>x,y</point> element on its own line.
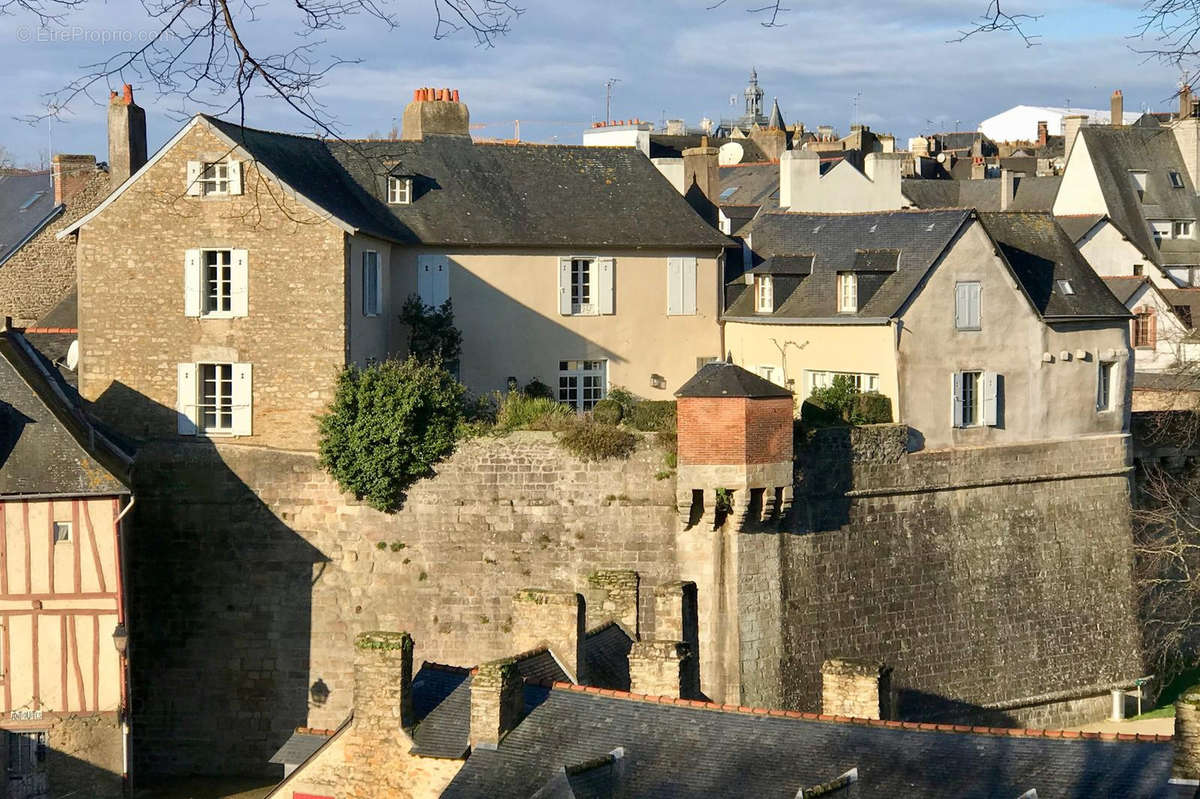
<point>681,286</point>
<point>194,170</point>
<point>192,283</point>
<point>242,399</point>
<point>967,305</point>
<point>185,403</point>
<point>606,290</point>
<point>586,286</point>
<point>216,283</point>
<point>240,288</point>
<point>215,399</point>
<point>977,399</point>
<point>433,279</point>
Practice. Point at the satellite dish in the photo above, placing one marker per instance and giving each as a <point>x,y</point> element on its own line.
<point>72,359</point>
<point>730,153</point>
<point>941,159</point>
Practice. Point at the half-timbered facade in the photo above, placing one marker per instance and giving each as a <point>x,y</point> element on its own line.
<point>62,660</point>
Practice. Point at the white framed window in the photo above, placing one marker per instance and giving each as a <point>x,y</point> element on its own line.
<point>1104,386</point>
<point>433,279</point>
<point>847,288</point>
<point>976,398</point>
<point>1161,229</point>
<point>1181,229</point>
<point>764,294</point>
<point>1176,179</point>
<point>216,283</point>
<point>399,190</point>
<point>1065,288</point>
<point>586,286</point>
<point>62,532</point>
<point>681,286</point>
<point>967,305</point>
<point>772,373</point>
<point>214,178</point>
<point>863,381</point>
<point>372,300</point>
<point>214,399</point>
<point>581,384</point>
<point>1138,176</point>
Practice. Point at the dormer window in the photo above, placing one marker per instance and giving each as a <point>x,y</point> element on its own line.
<point>1181,230</point>
<point>1138,176</point>
<point>764,294</point>
<point>1176,179</point>
<point>1065,288</point>
<point>399,190</point>
<point>847,288</point>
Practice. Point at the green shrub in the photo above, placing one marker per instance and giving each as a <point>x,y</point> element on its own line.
<point>386,427</point>
<point>871,408</point>
<point>590,441</point>
<point>841,403</point>
<point>517,411</point>
<point>652,415</point>
<point>432,335</point>
<point>538,390</point>
<point>608,411</point>
<point>623,397</point>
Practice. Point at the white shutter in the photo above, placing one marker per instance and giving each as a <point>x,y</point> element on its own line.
<point>185,402</point>
<point>564,286</point>
<point>191,283</point>
<point>960,305</point>
<point>441,281</point>
<point>956,398</point>
<point>973,305</point>
<point>240,290</point>
<point>425,278</point>
<point>605,286</point>
<point>235,177</point>
<point>674,286</point>
<point>242,399</point>
<point>194,170</point>
<point>991,403</point>
<point>689,285</point>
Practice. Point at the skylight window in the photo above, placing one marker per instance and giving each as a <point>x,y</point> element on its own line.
<point>1065,287</point>
<point>729,192</point>
<point>25,206</point>
<point>1176,179</point>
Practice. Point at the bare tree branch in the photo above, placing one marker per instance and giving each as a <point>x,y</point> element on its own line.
<point>996,19</point>
<point>772,9</point>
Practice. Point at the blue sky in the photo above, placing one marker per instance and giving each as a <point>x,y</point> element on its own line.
<point>673,59</point>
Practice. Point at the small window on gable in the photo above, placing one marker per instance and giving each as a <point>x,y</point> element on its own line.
<point>764,294</point>
<point>399,190</point>
<point>62,532</point>
<point>1065,287</point>
<point>1137,269</point>
<point>847,288</point>
<point>214,178</point>
<point>967,297</point>
<point>1138,176</point>
<point>1176,179</point>
<point>1181,229</point>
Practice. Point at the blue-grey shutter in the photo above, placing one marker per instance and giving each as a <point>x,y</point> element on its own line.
<point>991,404</point>
<point>564,286</point>
<point>956,398</point>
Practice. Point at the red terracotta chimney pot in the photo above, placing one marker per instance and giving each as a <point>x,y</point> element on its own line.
<point>127,96</point>
<point>456,95</point>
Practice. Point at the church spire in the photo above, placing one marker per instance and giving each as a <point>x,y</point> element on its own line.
<point>776,120</point>
<point>754,98</point>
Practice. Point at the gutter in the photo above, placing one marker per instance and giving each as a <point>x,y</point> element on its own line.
<point>823,320</point>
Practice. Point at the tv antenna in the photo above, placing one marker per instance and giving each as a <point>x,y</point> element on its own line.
<point>608,90</point>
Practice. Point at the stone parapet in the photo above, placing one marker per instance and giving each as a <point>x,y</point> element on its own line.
<point>854,688</point>
<point>660,668</point>
<point>1187,735</point>
<point>497,701</point>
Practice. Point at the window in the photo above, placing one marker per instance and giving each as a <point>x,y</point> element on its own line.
<point>771,373</point>
<point>1176,179</point>
<point>1143,328</point>
<point>214,178</point>
<point>967,306</point>
<point>681,286</point>
<point>1065,288</point>
<point>25,751</point>
<point>726,193</point>
<point>581,384</point>
<point>863,381</point>
<point>1161,229</point>
<point>847,288</point>
<point>214,399</point>
<point>585,286</point>
<point>1184,312</point>
<point>399,190</point>
<point>62,532</point>
<point>372,305</point>
<point>1104,386</point>
<point>1181,230</point>
<point>215,283</point>
<point>764,294</point>
<point>1138,176</point>
<point>976,399</point>
<point>1138,269</point>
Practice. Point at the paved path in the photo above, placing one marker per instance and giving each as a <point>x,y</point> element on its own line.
<point>1147,726</point>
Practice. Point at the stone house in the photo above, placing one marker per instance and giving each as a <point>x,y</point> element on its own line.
<point>561,263</point>
<point>967,321</point>
<point>63,493</point>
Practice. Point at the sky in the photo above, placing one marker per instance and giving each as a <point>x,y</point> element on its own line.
<point>890,65</point>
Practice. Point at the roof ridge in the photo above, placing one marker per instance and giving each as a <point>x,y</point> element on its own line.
<point>925,726</point>
<point>884,212</point>
<point>304,136</point>
<point>445,667</point>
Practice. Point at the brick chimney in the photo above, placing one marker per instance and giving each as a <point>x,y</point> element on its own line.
<point>383,670</point>
<point>126,136</point>
<point>855,688</point>
<point>435,112</point>
<point>702,179</point>
<point>497,702</point>
<point>1043,133</point>
<point>554,619</point>
<point>70,173</point>
<point>1117,116</point>
<point>1071,125</point>
<point>662,668</point>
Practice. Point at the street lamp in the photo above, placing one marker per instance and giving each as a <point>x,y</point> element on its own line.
<point>121,639</point>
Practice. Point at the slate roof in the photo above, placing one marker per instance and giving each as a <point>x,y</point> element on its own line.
<point>753,184</point>
<point>1079,225</point>
<point>48,446</point>
<point>785,265</point>
<point>540,665</point>
<point>1185,298</point>
<point>1124,287</point>
<point>672,751</point>
<point>480,194</point>
<point>722,379</point>
<point>1042,255</point>
<point>1029,193</point>
<point>1116,151</point>
<point>836,242</point>
<point>300,747</point>
<point>739,216</point>
<point>26,206</point>
<point>442,707</point>
<point>663,145</point>
<point>606,652</point>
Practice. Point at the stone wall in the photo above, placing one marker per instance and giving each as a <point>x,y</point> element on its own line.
<point>83,755</point>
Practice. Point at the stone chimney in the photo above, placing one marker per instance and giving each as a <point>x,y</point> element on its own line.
<point>383,671</point>
<point>702,179</point>
<point>1187,735</point>
<point>799,176</point>
<point>1185,102</point>
<point>676,127</point>
<point>126,136</point>
<point>70,173</point>
<point>884,170</point>
<point>662,668</point>
<point>497,702</point>
<point>617,597</point>
<point>919,146</point>
<point>1071,125</point>
<point>1043,133</point>
<point>855,688</point>
<point>435,112</point>
<point>1117,116</point>
<point>1008,188</point>
<point>675,613</point>
<point>554,619</point>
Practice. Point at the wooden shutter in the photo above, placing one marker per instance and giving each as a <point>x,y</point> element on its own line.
<point>989,391</point>
<point>441,281</point>
<point>605,285</point>
<point>956,399</point>
<point>242,399</point>
<point>235,177</point>
<point>192,292</point>
<point>194,170</point>
<point>674,286</point>
<point>564,286</point>
<point>239,300</point>
<point>974,318</point>
<point>425,278</point>
<point>689,286</point>
<point>185,400</point>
